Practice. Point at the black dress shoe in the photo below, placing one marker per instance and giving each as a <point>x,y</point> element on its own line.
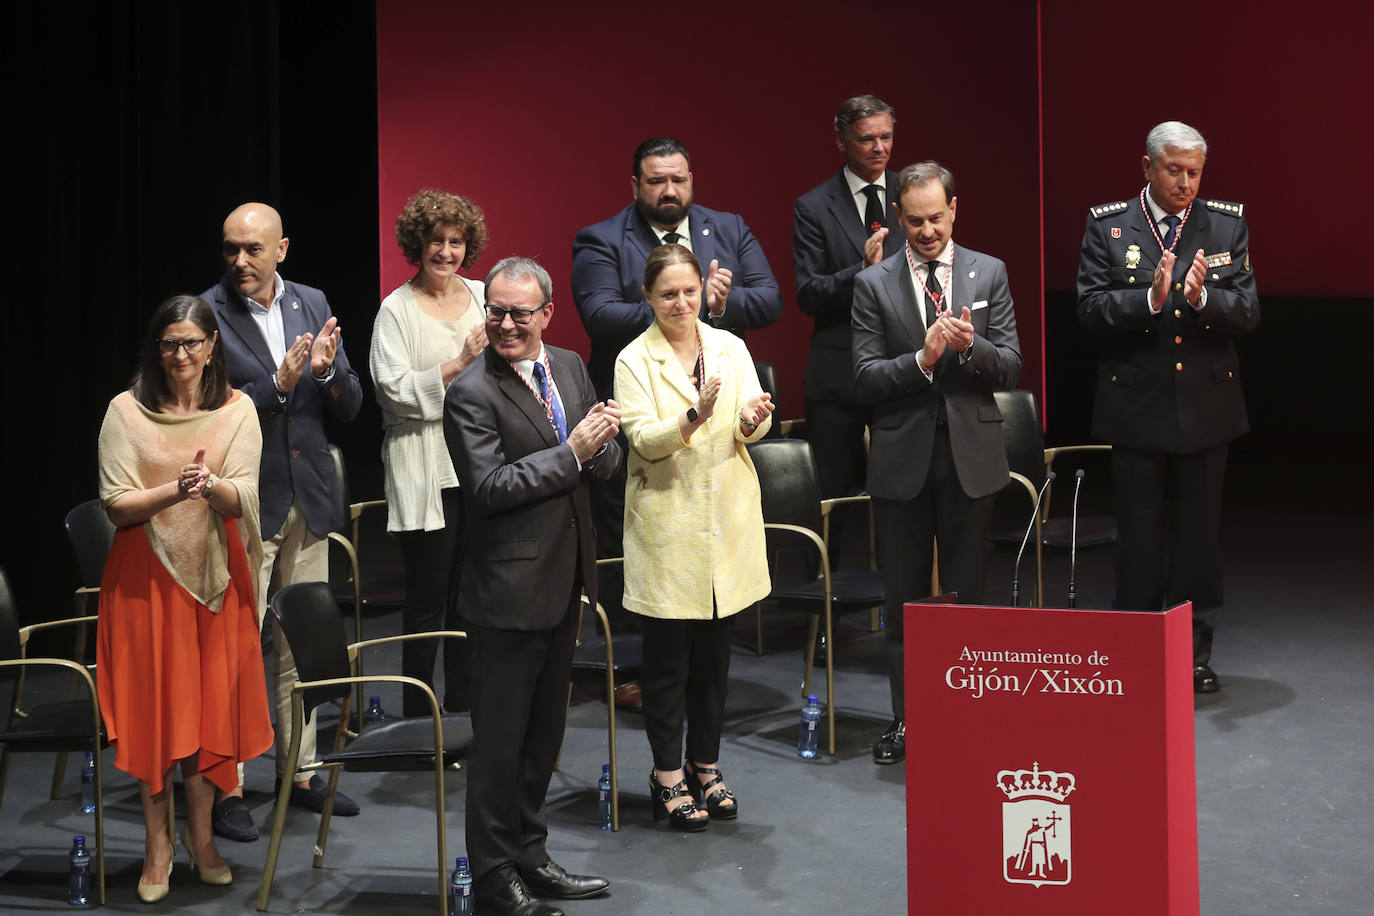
<point>551,880</point>
<point>891,745</point>
<point>232,820</point>
<point>1205,680</point>
<point>502,893</point>
<point>313,798</point>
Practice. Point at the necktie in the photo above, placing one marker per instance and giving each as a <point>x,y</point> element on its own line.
<point>550,398</point>
<point>873,210</point>
<point>671,238</point>
<point>932,286</point>
<point>1172,222</point>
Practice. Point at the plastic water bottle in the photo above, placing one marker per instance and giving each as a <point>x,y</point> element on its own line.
<point>810,727</point>
<point>603,796</point>
<point>79,873</point>
<point>460,888</point>
<point>88,784</point>
<point>374,713</point>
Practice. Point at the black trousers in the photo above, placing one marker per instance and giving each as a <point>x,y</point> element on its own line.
<point>433,560</point>
<point>835,430</point>
<point>1168,549</point>
<point>520,705</point>
<point>686,666</point>
<point>957,522</point>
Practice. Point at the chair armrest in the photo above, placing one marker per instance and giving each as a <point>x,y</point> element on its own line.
<point>355,510</point>
<point>1026,484</point>
<point>832,502</point>
<point>52,663</point>
<point>1056,451</point>
<point>611,561</point>
<point>787,427</point>
<point>814,538</point>
<point>26,632</point>
<point>355,648</point>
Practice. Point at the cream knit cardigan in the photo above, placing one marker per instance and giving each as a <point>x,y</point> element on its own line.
<point>411,396</point>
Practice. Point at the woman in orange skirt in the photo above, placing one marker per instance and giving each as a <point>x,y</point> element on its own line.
<point>180,672</point>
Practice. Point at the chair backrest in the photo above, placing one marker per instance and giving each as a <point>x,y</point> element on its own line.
<point>91,534</point>
<point>9,625</point>
<point>788,482</point>
<point>1021,433</point>
<point>341,471</point>
<point>309,616</point>
<point>768,381</point>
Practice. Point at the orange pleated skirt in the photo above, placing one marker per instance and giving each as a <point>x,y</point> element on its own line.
<point>176,679</point>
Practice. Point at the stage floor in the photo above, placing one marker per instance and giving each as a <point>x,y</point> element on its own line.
<point>1285,804</point>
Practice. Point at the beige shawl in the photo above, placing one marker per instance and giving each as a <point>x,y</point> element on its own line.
<point>140,449</point>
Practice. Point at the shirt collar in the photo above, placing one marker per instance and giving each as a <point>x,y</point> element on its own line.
<point>278,290</point>
<point>681,229</point>
<point>1157,213</point>
<point>857,184</point>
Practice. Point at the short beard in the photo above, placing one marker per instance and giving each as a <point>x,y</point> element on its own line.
<point>667,214</point>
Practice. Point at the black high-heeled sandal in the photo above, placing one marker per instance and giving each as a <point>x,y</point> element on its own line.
<point>679,818</point>
<point>714,802</point>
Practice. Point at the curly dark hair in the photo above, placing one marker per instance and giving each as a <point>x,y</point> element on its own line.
<point>150,381</point>
<point>431,209</point>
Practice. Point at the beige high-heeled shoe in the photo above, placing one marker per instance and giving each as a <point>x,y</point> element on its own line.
<point>220,875</point>
<point>152,893</point>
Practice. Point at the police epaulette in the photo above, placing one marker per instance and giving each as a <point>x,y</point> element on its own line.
<point>1109,209</point>
<point>1225,206</point>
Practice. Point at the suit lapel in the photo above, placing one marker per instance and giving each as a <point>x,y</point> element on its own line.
<point>845,214</point>
<point>903,296</point>
<point>237,317</point>
<point>514,389</point>
<point>293,315</point>
<point>638,233</point>
<point>661,352</point>
<point>1139,225</point>
<point>1188,242</point>
<point>964,278</point>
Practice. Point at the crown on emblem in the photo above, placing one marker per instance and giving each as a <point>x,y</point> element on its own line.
<point>1035,782</point>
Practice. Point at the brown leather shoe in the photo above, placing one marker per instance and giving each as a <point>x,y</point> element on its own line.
<point>628,696</point>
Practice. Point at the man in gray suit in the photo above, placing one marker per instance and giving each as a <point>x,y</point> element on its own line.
<point>929,364</point>
<point>526,434</point>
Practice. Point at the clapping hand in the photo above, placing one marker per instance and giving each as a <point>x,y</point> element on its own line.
<point>717,287</point>
<point>191,479</point>
<point>706,397</point>
<point>289,373</point>
<point>325,345</point>
<point>1197,275</point>
<point>599,426</point>
<point>757,409</point>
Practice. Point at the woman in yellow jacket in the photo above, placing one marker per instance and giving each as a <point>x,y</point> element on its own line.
<point>694,552</point>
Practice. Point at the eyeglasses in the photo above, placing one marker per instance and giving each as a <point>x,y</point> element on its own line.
<point>169,346</point>
<point>497,315</point>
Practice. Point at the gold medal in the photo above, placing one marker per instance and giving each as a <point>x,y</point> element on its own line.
<point>1132,257</point>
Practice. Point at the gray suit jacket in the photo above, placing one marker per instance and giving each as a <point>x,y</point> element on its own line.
<point>528,524</point>
<point>887,333</point>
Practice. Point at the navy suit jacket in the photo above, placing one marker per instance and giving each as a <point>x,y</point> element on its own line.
<point>1168,382</point>
<point>296,464</point>
<point>608,280</point>
<point>828,238</point>
<point>887,334</point>
<point>528,519</point>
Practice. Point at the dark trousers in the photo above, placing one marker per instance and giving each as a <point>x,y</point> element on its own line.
<point>520,705</point>
<point>1168,549</point>
<point>686,666</point>
<point>835,430</point>
<point>958,523</point>
<point>432,563</point>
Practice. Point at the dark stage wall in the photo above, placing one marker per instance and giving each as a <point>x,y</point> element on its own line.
<point>537,122</point>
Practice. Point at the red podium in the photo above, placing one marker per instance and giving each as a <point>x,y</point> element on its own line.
<point>1049,764</point>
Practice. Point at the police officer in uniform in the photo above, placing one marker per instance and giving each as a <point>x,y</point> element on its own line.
<point>1165,284</point>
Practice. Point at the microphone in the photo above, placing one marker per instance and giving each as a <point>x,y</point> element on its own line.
<point>1073,542</point>
<point>1035,513</point>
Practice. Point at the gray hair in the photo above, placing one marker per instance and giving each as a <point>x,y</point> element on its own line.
<point>518,270</point>
<point>1176,134</point>
<point>859,107</point>
<point>922,173</point>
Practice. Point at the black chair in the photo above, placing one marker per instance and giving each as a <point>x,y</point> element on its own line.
<point>61,727</point>
<point>795,514</point>
<point>586,657</point>
<point>1030,463</point>
<point>768,381</point>
<point>309,617</point>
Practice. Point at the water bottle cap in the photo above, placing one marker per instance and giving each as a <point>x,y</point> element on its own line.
<point>374,700</point>
<point>90,755</point>
<point>811,698</point>
<point>605,768</point>
<point>462,862</point>
<point>78,841</point>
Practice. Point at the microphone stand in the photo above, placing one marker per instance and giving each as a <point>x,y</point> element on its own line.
<point>1073,542</point>
<point>1035,513</point>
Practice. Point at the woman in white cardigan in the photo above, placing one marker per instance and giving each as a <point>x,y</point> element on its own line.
<point>427,331</point>
<point>694,555</point>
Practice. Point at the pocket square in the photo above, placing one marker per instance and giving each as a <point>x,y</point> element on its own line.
<point>980,304</point>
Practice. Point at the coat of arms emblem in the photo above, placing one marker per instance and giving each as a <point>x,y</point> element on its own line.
<point>1036,834</point>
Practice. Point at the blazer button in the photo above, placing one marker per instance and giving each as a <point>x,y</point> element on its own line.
<point>1230,375</point>
<point>716,530</point>
<point>1178,339</point>
<point>1214,277</point>
<point>1178,367</point>
<point>1113,378</point>
<point>1130,280</point>
<point>572,522</point>
<point>1178,286</point>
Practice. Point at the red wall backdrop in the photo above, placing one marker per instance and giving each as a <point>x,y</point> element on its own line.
<point>1280,90</point>
<point>535,117</point>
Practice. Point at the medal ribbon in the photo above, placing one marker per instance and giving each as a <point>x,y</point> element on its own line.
<point>1154,229</point>
<point>937,298</point>
<point>699,375</point>
<point>548,373</point>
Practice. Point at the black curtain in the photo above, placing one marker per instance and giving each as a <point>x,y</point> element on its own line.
<point>135,127</point>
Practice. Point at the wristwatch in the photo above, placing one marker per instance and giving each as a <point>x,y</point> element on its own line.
<point>692,414</point>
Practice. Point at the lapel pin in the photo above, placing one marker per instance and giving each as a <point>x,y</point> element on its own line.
<point>972,274</point>
<point>295,305</point>
<point>706,232</point>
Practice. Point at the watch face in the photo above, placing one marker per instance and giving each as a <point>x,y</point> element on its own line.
<point>692,414</point>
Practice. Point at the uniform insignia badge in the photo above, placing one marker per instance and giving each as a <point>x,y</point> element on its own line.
<point>1132,257</point>
<point>1221,259</point>
<point>1036,845</point>
<point>1116,233</point>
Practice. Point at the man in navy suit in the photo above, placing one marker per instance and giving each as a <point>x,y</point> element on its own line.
<point>934,335</point>
<point>608,288</point>
<point>526,433</point>
<point>284,352</point>
<point>838,228</point>
<point>1165,286</point>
